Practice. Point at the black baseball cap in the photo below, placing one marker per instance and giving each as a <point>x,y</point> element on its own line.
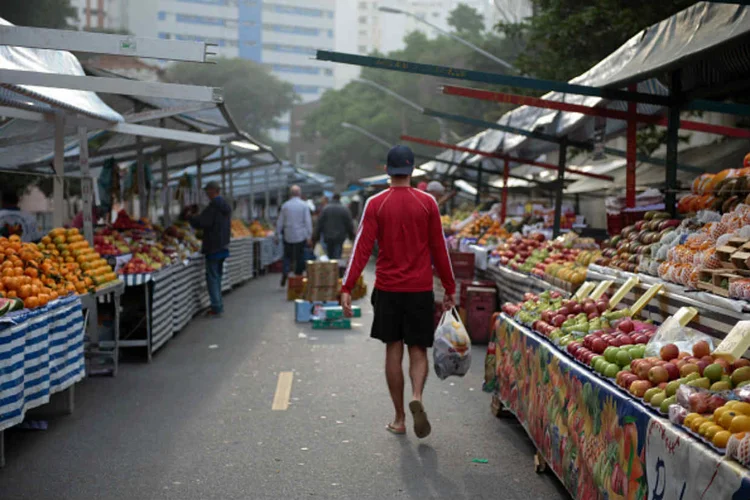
<point>400,161</point>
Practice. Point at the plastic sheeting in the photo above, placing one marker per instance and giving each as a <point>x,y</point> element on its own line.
<point>55,62</point>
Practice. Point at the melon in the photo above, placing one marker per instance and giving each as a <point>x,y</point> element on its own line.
<point>6,305</point>
<point>17,305</point>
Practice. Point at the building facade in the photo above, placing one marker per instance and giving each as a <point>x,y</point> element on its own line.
<point>303,152</point>
<point>283,35</point>
<point>101,14</point>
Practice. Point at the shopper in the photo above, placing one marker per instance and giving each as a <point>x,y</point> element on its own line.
<point>335,224</point>
<point>406,224</point>
<point>216,221</point>
<point>295,226</point>
<point>14,221</point>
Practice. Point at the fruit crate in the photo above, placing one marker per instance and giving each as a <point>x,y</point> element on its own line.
<point>615,223</point>
<point>464,285</point>
<point>463,264</point>
<point>481,304</point>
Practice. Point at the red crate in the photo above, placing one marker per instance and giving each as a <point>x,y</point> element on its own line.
<point>463,265</point>
<point>276,267</point>
<point>631,218</point>
<point>463,286</point>
<point>615,223</point>
<point>481,304</point>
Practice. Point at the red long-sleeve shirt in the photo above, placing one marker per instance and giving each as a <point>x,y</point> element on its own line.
<point>406,224</point>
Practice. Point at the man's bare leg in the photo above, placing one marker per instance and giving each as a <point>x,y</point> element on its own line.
<point>418,368</point>
<point>394,375</point>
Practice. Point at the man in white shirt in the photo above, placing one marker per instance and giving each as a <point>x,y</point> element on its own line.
<point>295,226</point>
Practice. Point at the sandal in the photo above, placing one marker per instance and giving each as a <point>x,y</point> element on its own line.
<point>422,427</point>
<point>399,431</point>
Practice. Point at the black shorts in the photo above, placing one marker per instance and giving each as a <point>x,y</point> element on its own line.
<point>404,316</point>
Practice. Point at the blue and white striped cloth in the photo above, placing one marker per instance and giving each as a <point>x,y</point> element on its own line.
<point>42,353</point>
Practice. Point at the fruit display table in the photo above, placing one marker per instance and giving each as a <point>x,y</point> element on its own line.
<point>41,353</point>
<point>239,266</point>
<point>512,285</point>
<point>600,442</point>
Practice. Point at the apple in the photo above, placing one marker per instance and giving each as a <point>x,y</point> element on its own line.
<point>592,316</point>
<point>573,347</point>
<point>598,345</point>
<point>701,348</point>
<point>702,366</point>
<point>639,388</point>
<point>663,386</point>
<point>670,352</point>
<point>643,369</point>
<point>725,364</point>
<point>625,326</point>
<point>640,338</point>
<point>563,311</point>
<point>683,355</point>
<point>624,339</point>
<point>628,379</point>
<point>740,363</point>
<point>558,320</point>
<point>657,375</point>
<point>602,305</point>
<point>673,371</point>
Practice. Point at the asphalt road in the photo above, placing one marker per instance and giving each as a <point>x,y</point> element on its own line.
<point>197,423</point>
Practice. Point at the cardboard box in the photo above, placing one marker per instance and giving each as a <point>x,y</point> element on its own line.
<point>724,254</point>
<point>336,312</point>
<point>305,311</point>
<point>332,324</point>
<point>295,288</point>
<point>322,281</point>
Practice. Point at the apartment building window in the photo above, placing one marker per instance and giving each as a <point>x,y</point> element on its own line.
<point>363,49</point>
<point>362,5</point>
<point>208,2</point>
<point>301,158</point>
<point>164,36</point>
<point>289,68</point>
<point>330,33</point>
<point>288,9</point>
<point>192,19</point>
<point>362,19</point>
<point>292,49</point>
<point>362,32</point>
<point>162,15</point>
<point>306,89</point>
<point>328,72</point>
<point>292,30</point>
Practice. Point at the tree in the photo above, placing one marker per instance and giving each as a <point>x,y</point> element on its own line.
<point>567,37</point>
<point>254,96</point>
<point>348,155</point>
<point>466,20</point>
<point>40,13</point>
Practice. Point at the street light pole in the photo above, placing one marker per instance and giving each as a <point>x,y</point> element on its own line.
<point>486,54</point>
<point>367,133</point>
<point>443,128</point>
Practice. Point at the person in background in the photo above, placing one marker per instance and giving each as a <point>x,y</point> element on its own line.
<point>406,224</point>
<point>335,224</point>
<point>78,219</point>
<point>321,206</point>
<point>216,222</point>
<point>435,189</point>
<point>295,227</point>
<point>14,221</point>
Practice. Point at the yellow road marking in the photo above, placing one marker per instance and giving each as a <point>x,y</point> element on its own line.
<point>283,391</point>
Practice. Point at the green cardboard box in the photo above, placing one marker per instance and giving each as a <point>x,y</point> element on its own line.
<point>336,312</point>
<point>332,324</point>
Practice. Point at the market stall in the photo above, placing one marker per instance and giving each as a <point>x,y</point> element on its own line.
<point>599,441</point>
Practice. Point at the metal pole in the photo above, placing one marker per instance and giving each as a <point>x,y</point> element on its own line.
<point>142,200</point>
<point>231,183</point>
<point>631,152</point>
<point>199,167</point>
<point>268,193</point>
<point>87,185</point>
<point>504,206</point>
<point>673,130</point>
<point>58,187</point>
<point>478,197</point>
<point>560,185</point>
<point>167,202</point>
<point>252,194</point>
<point>223,172</point>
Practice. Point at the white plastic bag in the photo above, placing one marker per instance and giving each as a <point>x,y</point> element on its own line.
<point>451,352</point>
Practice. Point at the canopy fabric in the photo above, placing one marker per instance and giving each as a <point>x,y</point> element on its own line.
<point>46,98</point>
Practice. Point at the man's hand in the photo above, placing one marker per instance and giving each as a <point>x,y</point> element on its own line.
<point>346,304</point>
<point>311,243</point>
<point>448,302</point>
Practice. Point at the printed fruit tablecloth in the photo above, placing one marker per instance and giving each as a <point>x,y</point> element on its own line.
<point>600,443</point>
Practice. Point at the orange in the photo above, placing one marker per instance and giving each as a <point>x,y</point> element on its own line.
<point>740,423</point>
<point>31,302</point>
<point>43,299</point>
<point>8,271</point>
<point>719,412</point>
<point>53,295</point>
<point>31,272</point>
<point>18,271</point>
<point>721,439</point>
<point>35,289</point>
<point>712,430</point>
<point>730,404</point>
<point>24,292</point>
<point>696,423</point>
<point>704,427</point>
<point>742,407</point>
<point>14,238</point>
<point>11,294</point>
<point>726,419</point>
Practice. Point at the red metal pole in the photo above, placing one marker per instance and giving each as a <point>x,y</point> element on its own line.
<point>631,153</point>
<point>521,100</point>
<point>548,166</point>
<point>504,205</point>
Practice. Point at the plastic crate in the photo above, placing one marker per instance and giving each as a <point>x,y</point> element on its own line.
<point>481,303</point>
<point>295,288</point>
<point>631,217</point>
<point>463,265</point>
<point>615,223</point>
<point>463,286</point>
<point>276,267</point>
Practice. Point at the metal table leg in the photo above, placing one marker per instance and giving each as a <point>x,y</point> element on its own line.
<point>116,351</point>
<point>148,322</point>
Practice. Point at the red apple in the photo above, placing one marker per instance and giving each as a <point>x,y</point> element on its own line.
<point>672,370</point>
<point>657,375</point>
<point>739,363</point>
<point>663,385</point>
<point>643,369</point>
<point>702,366</point>
<point>701,348</point>
<point>624,339</point>
<point>670,352</point>
<point>628,379</point>
<point>598,346</point>
<point>602,305</point>
<point>626,326</point>
<point>640,338</point>
<point>639,388</point>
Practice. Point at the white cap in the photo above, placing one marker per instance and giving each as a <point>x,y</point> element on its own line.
<point>435,187</point>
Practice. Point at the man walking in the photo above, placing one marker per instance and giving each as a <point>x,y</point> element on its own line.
<point>335,224</point>
<point>406,224</point>
<point>295,226</point>
<point>216,223</point>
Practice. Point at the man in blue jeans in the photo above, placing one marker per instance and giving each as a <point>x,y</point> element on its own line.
<point>335,225</point>
<point>216,221</point>
<point>294,225</point>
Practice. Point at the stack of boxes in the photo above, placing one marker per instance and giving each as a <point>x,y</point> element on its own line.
<point>323,282</point>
